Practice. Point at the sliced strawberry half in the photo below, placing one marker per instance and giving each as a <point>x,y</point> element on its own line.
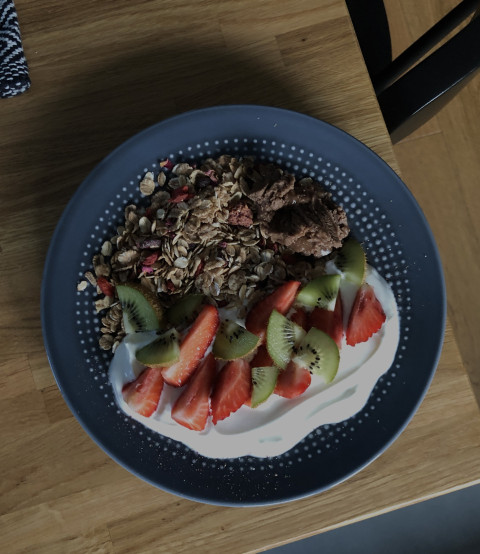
<point>366,318</point>
<point>329,322</point>
<point>143,394</point>
<point>192,407</point>
<point>193,347</point>
<point>292,381</point>
<point>232,389</point>
<point>262,358</point>
<point>280,300</point>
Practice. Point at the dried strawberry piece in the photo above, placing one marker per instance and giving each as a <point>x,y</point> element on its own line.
<point>180,195</point>
<point>199,268</point>
<point>167,164</point>
<point>170,286</point>
<point>151,259</point>
<point>107,288</point>
<point>147,269</point>
<point>213,176</point>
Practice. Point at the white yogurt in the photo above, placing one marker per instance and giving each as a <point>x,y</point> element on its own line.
<point>278,424</point>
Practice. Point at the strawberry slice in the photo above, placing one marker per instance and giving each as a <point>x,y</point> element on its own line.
<point>292,381</point>
<point>300,317</point>
<point>262,358</point>
<point>232,389</point>
<point>329,322</point>
<point>280,300</point>
<point>366,318</point>
<point>193,347</point>
<point>192,407</point>
<point>143,394</point>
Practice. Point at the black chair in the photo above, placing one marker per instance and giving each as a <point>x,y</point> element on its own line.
<point>410,93</point>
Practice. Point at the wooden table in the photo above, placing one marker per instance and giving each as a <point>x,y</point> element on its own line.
<point>102,71</point>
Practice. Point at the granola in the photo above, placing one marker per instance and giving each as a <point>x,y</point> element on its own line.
<point>200,232</point>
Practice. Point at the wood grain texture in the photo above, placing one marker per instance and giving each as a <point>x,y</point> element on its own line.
<point>101,71</point>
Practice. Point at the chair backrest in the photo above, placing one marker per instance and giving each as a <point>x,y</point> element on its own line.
<point>409,93</point>
<point>421,92</point>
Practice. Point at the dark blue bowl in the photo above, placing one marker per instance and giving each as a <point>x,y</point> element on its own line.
<point>382,213</point>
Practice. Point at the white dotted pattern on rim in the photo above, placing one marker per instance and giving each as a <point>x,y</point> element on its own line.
<point>367,222</point>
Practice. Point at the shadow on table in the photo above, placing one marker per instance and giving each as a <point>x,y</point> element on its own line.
<point>105,106</point>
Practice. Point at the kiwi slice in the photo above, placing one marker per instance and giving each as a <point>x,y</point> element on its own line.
<point>264,380</point>
<point>319,354</point>
<point>282,337</point>
<point>142,310</point>
<point>351,261</point>
<point>162,352</point>
<point>233,341</point>
<point>320,292</point>
<point>183,312</point>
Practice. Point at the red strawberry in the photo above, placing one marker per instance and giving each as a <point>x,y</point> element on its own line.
<point>143,394</point>
<point>262,358</point>
<point>192,407</point>
<point>300,317</point>
<point>280,300</point>
<point>232,389</point>
<point>292,381</point>
<point>193,347</point>
<point>107,288</point>
<point>330,322</point>
<point>366,318</point>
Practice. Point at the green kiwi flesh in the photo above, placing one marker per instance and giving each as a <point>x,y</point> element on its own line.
<point>162,352</point>
<point>183,312</point>
<point>233,341</point>
<point>140,313</point>
<point>282,337</point>
<point>351,261</point>
<point>264,380</point>
<point>320,292</point>
<point>318,353</point>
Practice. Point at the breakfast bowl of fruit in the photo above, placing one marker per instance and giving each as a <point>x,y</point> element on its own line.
<point>253,308</point>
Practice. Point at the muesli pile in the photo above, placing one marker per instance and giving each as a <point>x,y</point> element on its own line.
<point>232,229</point>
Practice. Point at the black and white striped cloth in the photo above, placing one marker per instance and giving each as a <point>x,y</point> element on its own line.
<point>14,77</point>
